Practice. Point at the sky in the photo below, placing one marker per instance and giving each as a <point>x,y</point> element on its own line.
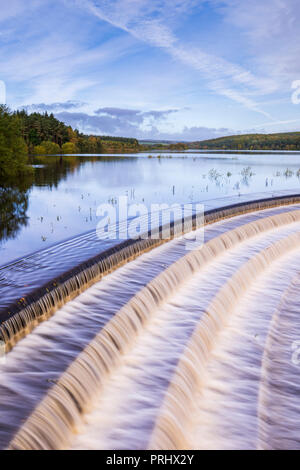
<point>155,69</point>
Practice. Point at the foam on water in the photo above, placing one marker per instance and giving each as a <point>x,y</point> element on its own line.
<point>129,356</point>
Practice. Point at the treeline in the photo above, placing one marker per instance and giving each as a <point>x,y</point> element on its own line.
<point>180,146</point>
<point>23,134</point>
<point>44,134</point>
<point>281,141</point>
<point>163,147</point>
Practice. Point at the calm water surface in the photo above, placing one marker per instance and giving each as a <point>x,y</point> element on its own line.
<point>60,200</point>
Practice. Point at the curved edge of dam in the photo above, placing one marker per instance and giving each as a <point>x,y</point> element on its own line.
<point>24,314</point>
<point>167,348</point>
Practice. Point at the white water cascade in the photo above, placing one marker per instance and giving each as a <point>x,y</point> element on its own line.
<point>166,349</point>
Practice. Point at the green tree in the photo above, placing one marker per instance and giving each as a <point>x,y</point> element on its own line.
<point>47,148</point>
<point>69,148</point>
<point>13,149</point>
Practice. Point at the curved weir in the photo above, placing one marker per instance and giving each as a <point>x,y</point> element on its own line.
<point>20,317</point>
<point>127,364</point>
<point>279,404</point>
<point>170,431</point>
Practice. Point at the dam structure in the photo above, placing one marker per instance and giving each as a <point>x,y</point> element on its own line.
<point>145,345</point>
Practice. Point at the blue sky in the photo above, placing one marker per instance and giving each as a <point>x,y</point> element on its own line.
<point>160,69</point>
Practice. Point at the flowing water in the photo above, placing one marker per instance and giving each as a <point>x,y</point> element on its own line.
<point>175,349</point>
<point>61,198</point>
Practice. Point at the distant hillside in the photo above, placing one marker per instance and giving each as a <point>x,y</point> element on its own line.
<point>282,141</point>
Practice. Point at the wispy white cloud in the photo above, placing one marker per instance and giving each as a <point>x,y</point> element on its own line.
<point>272,31</point>
<point>16,7</point>
<point>277,123</point>
<point>153,54</point>
<point>57,66</point>
<point>53,107</point>
<point>151,22</point>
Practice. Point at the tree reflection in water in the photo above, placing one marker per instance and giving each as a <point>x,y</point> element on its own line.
<point>14,192</point>
<point>13,206</point>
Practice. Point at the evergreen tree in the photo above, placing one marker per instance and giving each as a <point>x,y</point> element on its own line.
<point>13,149</point>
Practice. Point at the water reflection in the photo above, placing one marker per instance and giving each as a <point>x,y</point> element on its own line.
<point>49,171</point>
<point>13,207</point>
<point>61,198</point>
